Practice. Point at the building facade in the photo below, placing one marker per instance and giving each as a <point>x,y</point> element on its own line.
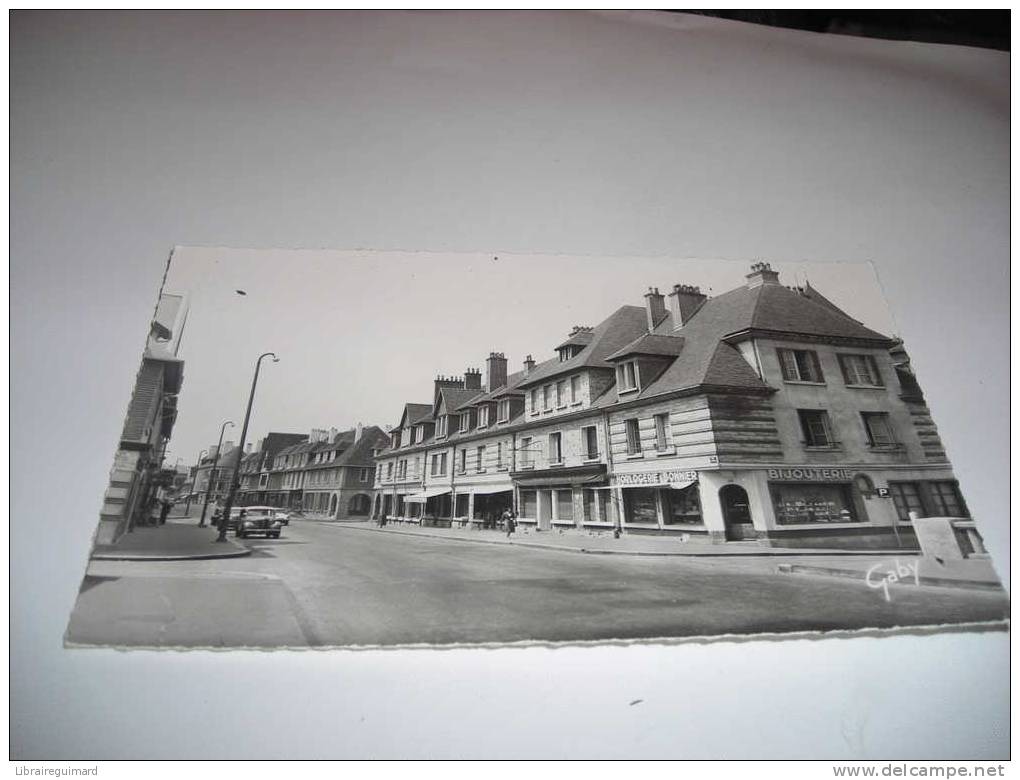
<point>765,413</point>
<point>151,414</point>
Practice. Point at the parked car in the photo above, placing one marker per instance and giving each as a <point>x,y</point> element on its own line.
<point>283,517</point>
<point>258,521</point>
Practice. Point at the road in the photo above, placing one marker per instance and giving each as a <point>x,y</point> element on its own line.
<point>327,584</point>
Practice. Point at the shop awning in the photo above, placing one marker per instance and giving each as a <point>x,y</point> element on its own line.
<point>420,498</point>
<point>488,490</point>
<point>681,485</point>
<point>587,479</point>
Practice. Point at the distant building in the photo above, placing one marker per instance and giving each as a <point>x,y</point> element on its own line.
<point>151,414</point>
<point>329,475</point>
<point>765,413</point>
<point>257,465</point>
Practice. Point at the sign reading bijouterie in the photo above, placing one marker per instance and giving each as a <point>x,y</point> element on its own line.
<point>656,478</point>
<point>811,474</point>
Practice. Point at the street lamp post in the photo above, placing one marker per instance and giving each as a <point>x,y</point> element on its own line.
<point>212,472</point>
<point>236,478</point>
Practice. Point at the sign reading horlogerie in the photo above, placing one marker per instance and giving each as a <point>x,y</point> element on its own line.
<point>810,474</point>
<point>656,478</point>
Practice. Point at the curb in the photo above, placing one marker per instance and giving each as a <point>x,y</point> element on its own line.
<point>856,574</point>
<point>638,553</point>
<point>238,552</point>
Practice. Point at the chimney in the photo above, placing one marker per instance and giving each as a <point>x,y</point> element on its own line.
<point>761,273</point>
<point>332,434</point>
<point>472,379</point>
<point>248,448</point>
<point>495,371</point>
<point>655,306</point>
<point>529,365</point>
<point>683,302</point>
<point>358,431</point>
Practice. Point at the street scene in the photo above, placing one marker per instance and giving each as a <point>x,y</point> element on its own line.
<point>748,459</point>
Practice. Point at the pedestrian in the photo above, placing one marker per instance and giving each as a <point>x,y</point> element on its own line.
<point>164,510</point>
<point>509,522</point>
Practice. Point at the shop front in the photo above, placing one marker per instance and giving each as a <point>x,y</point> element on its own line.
<point>563,498</point>
<point>663,501</point>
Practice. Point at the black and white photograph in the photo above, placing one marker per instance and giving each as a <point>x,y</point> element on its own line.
<point>533,449</point>
<point>522,384</point>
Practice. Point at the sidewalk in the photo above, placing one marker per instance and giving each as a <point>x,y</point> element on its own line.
<point>603,543</point>
<point>180,540</point>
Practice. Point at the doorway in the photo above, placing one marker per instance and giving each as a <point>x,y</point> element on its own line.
<point>736,510</point>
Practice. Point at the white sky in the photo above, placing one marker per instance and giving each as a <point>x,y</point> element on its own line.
<point>360,333</point>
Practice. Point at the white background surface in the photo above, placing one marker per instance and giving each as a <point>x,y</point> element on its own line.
<point>554,132</point>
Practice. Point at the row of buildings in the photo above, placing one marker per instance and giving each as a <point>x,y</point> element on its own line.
<point>325,473</point>
<point>763,413</point>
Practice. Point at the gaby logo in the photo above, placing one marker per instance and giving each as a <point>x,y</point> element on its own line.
<point>878,578</point>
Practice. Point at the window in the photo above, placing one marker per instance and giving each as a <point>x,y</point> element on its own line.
<point>879,429</point>
<point>441,426</point>
<point>906,498</point>
<point>529,504</point>
<point>946,500</point>
<point>561,393</point>
<point>564,505</point>
<point>640,506</point>
<point>588,511</point>
<point>499,455</point>
<point>860,370</point>
<point>463,461</point>
<point>547,397</point>
<point>555,448</point>
<point>626,376</point>
<point>534,400</point>
<point>419,433</point>
<point>504,410</point>
<point>526,459</point>
<point>633,436</point>
<point>682,507</point>
<point>575,389</point>
<point>483,415</point>
<point>797,503</point>
<point>465,422</point>
<point>363,477</point>
<point>435,465</point>
<point>663,433</point>
<point>590,440</point>
<point>417,465</point>
<point>389,470</point>
<point>815,425</point>
<point>480,458</point>
<point>800,365</point>
<point>442,464</point>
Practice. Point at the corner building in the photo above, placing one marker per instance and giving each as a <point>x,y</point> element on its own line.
<point>765,413</point>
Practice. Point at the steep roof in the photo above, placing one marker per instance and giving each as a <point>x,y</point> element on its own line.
<point>454,398</point>
<point>360,453</point>
<point>651,344</point>
<point>774,307</point>
<point>415,413</point>
<point>579,338</point>
<point>509,388</point>
<point>618,329</point>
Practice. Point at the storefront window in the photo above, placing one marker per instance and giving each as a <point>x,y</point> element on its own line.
<point>529,504</point>
<point>462,505</point>
<point>565,504</point>
<point>588,505</point>
<point>808,503</point>
<point>639,504</point>
<point>682,507</point>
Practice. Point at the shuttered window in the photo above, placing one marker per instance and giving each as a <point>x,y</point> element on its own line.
<point>633,437</point>
<point>800,365</point>
<point>860,370</point>
<point>816,428</point>
<point>879,429</point>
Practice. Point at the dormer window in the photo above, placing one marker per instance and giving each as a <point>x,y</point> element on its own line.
<point>483,416</point>
<point>570,351</point>
<point>441,424</point>
<point>504,410</point>
<point>627,376</point>
<point>465,422</point>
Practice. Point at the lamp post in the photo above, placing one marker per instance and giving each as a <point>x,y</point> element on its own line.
<point>212,472</point>
<point>187,504</point>
<point>235,479</point>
